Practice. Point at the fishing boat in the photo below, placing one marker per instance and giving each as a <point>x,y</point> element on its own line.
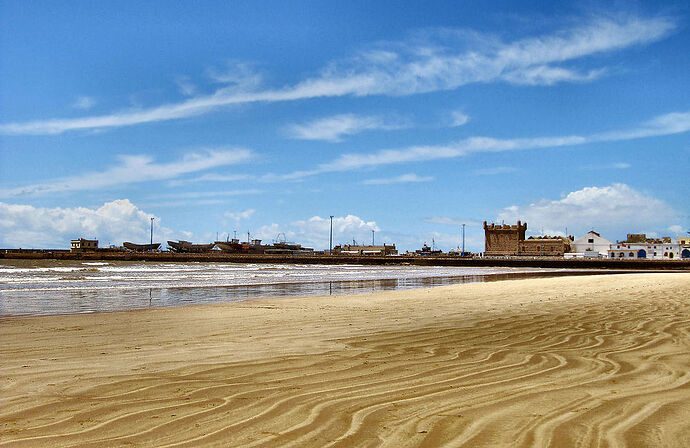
<point>141,247</point>
<point>187,247</point>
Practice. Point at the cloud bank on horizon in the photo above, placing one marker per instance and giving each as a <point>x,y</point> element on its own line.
<point>599,208</point>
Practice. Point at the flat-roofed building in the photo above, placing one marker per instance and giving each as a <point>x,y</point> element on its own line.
<point>355,249</point>
<point>591,243</point>
<point>544,246</point>
<point>82,244</point>
<point>638,246</point>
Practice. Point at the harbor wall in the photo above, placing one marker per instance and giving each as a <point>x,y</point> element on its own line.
<point>535,262</point>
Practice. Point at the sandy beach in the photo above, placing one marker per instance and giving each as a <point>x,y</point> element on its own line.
<point>574,361</point>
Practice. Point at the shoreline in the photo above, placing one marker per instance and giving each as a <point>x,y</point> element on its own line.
<point>238,293</point>
<point>560,361</point>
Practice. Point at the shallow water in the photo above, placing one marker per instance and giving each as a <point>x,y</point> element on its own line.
<point>33,287</point>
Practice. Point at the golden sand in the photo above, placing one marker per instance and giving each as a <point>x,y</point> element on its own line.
<point>576,361</point>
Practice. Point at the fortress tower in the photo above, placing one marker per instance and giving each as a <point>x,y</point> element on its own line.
<point>503,239</point>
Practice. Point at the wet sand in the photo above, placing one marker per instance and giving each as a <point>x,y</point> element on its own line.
<point>572,361</point>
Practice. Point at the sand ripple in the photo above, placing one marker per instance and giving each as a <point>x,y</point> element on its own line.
<point>560,362</point>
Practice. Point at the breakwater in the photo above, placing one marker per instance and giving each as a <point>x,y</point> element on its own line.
<point>216,257</point>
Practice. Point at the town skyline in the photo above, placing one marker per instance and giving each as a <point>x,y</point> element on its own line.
<point>406,119</point>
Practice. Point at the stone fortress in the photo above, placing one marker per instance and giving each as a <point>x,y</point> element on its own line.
<point>504,239</point>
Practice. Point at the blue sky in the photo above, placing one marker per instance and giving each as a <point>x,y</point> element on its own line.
<point>407,118</point>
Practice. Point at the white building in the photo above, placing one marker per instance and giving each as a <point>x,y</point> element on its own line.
<point>591,245</point>
<point>647,248</point>
<point>684,243</point>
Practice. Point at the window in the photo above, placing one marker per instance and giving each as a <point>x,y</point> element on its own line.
<point>591,240</point>
<point>621,255</point>
<point>632,254</point>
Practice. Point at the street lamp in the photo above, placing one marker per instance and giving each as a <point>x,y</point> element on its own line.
<point>463,240</point>
<point>330,240</point>
<point>152,234</point>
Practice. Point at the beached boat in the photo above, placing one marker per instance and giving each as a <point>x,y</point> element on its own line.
<point>187,247</point>
<point>141,247</point>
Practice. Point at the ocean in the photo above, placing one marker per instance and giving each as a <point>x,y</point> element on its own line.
<point>38,287</point>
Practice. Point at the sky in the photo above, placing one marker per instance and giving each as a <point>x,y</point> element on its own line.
<point>402,120</point>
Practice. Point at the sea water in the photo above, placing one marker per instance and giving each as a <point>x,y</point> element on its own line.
<point>34,287</point>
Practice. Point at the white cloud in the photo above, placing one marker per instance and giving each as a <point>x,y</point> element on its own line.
<point>205,194</point>
<point>185,86</point>
<point>114,222</point>
<point>617,208</point>
<point>209,177</point>
<point>334,128</point>
<point>674,122</point>
<point>84,102</point>
<point>676,229</point>
<point>608,166</point>
<point>136,169</point>
<point>238,75</point>
<point>458,118</point>
<point>315,231</point>
<point>404,178</point>
<point>239,216</point>
<point>443,61</point>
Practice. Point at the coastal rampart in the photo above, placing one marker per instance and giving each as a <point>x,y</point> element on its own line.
<point>536,262</point>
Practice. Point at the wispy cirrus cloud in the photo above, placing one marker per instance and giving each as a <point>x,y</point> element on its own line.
<point>132,169</point>
<point>436,61</point>
<point>205,194</point>
<point>84,102</point>
<point>458,118</point>
<point>607,166</point>
<point>673,123</point>
<point>209,177</point>
<point>403,178</point>
<point>335,127</point>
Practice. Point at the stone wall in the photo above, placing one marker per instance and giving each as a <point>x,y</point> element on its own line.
<point>555,247</point>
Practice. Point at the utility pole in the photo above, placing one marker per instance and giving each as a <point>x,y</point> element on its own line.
<point>152,234</point>
<point>372,237</point>
<point>463,240</point>
<point>330,240</point>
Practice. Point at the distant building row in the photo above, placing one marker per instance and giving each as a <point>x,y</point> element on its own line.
<point>509,240</point>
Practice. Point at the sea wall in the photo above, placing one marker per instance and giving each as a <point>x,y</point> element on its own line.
<point>536,262</point>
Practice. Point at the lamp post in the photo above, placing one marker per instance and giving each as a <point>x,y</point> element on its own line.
<point>330,240</point>
<point>372,237</point>
<point>463,240</point>
<point>152,234</point>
